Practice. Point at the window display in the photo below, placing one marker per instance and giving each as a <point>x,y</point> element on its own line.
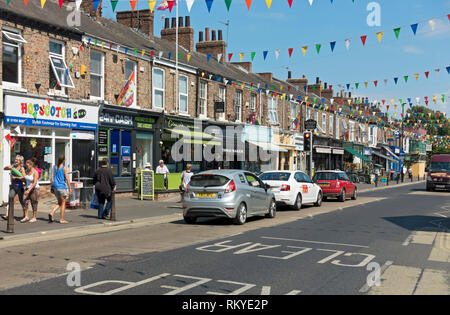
<point>39,148</point>
<point>144,149</point>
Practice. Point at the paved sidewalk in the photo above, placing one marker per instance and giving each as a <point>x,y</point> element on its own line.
<point>128,209</point>
<point>362,187</point>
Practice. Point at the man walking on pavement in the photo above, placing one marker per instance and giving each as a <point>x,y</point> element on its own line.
<point>105,185</point>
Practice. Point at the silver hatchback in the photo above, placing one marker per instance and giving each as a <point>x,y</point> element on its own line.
<point>234,194</point>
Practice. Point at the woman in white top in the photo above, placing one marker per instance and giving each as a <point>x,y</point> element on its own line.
<point>32,191</point>
<point>185,179</point>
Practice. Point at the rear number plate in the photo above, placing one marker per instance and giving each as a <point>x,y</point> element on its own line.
<point>205,195</point>
<point>324,185</point>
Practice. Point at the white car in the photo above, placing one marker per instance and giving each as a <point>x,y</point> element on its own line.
<point>293,188</point>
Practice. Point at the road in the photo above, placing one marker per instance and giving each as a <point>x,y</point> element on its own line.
<point>397,238</point>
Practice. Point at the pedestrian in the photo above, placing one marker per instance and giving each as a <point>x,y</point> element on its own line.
<point>148,167</point>
<point>105,185</point>
<point>60,185</point>
<point>35,164</point>
<point>16,187</point>
<point>405,170</point>
<point>410,172</point>
<point>162,169</point>
<point>32,191</point>
<point>185,179</point>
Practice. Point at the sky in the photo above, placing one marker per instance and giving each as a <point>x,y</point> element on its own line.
<point>260,29</point>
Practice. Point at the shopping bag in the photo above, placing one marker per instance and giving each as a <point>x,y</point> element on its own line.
<point>94,202</point>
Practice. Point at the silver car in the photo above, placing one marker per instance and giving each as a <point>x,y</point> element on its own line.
<point>234,194</point>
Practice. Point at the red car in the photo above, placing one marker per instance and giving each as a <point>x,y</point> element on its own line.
<point>335,184</point>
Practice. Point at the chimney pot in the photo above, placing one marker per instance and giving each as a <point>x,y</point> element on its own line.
<point>180,21</point>
<point>213,35</point>
<point>326,85</point>
<point>174,22</point>
<point>289,74</point>
<point>200,36</point>
<point>207,34</point>
<point>317,80</point>
<point>167,23</point>
<point>220,34</point>
<point>187,21</point>
<point>350,94</point>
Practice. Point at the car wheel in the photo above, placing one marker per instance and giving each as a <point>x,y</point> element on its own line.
<point>318,203</point>
<point>241,215</point>
<point>342,196</point>
<point>324,198</point>
<point>272,210</point>
<point>429,188</point>
<point>298,202</point>
<point>190,220</point>
<point>355,194</point>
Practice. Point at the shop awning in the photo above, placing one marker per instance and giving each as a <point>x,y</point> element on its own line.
<point>384,156</point>
<point>268,146</point>
<point>197,141</point>
<point>191,134</point>
<point>338,151</point>
<point>391,153</point>
<point>362,157</point>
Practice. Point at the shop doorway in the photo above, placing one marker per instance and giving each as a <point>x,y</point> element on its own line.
<point>62,146</point>
<point>83,157</point>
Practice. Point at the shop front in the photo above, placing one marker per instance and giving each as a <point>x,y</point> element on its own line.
<point>44,129</point>
<point>127,139</point>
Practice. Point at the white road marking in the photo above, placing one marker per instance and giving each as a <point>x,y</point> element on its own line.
<point>383,268</point>
<point>408,239</point>
<point>314,242</point>
<point>178,290</point>
<point>244,287</point>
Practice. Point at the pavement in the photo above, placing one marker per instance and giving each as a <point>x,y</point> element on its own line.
<point>128,210</point>
<point>399,239</point>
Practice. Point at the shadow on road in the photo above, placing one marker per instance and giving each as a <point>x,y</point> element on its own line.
<point>421,223</point>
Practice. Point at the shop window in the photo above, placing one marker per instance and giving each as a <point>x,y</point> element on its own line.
<point>59,76</point>
<point>11,58</point>
<point>97,75</point>
<point>144,149</point>
<point>34,147</point>
<point>158,88</point>
<point>183,89</point>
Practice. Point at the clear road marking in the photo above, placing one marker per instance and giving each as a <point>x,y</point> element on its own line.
<point>383,268</point>
<point>177,290</point>
<point>440,214</point>
<point>244,287</point>
<point>424,237</point>
<point>127,286</point>
<point>266,291</point>
<point>314,242</point>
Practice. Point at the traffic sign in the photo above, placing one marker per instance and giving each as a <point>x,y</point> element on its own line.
<point>310,124</point>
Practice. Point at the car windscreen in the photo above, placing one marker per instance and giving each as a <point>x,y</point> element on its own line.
<point>208,180</point>
<point>325,176</point>
<point>279,176</point>
<point>440,167</point>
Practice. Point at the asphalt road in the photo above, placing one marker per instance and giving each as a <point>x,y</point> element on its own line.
<point>398,239</point>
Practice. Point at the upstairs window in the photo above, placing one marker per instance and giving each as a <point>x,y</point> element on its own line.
<point>222,98</point>
<point>59,76</point>
<point>97,74</point>
<point>203,98</point>
<point>183,89</point>
<point>11,58</point>
<point>158,88</point>
<point>238,105</point>
<point>273,114</point>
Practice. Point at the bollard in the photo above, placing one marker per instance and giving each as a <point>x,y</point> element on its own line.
<point>387,180</point>
<point>376,181</point>
<point>10,226</point>
<point>398,179</point>
<point>113,207</point>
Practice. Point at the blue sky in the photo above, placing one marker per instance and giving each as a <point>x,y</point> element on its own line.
<point>282,27</point>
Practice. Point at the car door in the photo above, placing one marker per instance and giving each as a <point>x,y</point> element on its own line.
<point>311,188</point>
<point>257,193</point>
<point>349,186</point>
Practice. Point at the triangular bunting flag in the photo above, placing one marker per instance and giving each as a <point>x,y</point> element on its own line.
<point>188,57</point>
<point>397,32</point>
<point>347,44</point>
<point>416,76</point>
<point>60,2</point>
<point>77,4</point>
<point>290,3</point>
<point>277,54</point>
<point>379,36</point>
<point>170,3</point>
<point>114,4</point>
<point>318,46</point>
<point>269,3</point>
<point>151,5</point>
<point>229,56</point>
<point>304,49</point>
<point>363,39</point>
<point>290,52</point>
<point>227,2</point>
<point>265,54</point>
<point>406,78</point>
<point>414,28</point>
<point>249,3</point>
<point>241,55</point>
<point>396,80</point>
<point>133,4</point>
<point>210,2</point>
<point>427,74</point>
<point>189,4</point>
<point>43,3</point>
<point>332,45</point>
<point>96,3</point>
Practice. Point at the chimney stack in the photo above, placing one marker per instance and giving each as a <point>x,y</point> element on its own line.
<point>212,46</point>
<point>141,19</point>
<point>88,7</point>
<point>166,23</point>
<point>185,33</point>
<point>300,83</point>
<point>289,74</point>
<point>200,36</point>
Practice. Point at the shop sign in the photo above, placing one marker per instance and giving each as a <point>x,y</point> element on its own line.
<point>144,122</point>
<point>310,124</point>
<point>173,124</point>
<point>55,114</point>
<point>126,151</point>
<point>116,119</point>
<point>367,151</point>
